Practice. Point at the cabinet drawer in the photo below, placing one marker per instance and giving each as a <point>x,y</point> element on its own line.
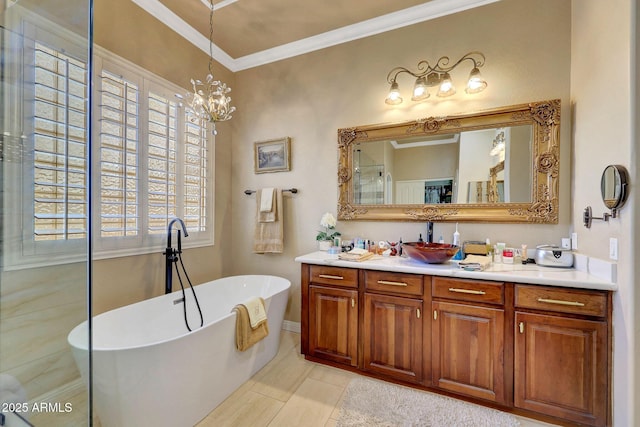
<point>468,290</point>
<point>337,276</point>
<point>397,283</point>
<point>563,300</point>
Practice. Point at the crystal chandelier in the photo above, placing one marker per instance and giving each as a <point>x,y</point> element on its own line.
<point>209,101</point>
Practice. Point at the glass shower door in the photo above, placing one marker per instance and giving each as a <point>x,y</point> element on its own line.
<point>44,210</point>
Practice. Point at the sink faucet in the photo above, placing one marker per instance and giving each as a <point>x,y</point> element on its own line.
<point>429,232</point>
<point>171,255</point>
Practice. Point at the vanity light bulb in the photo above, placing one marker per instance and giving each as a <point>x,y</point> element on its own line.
<point>476,82</point>
<point>420,90</point>
<point>394,97</point>
<point>446,87</point>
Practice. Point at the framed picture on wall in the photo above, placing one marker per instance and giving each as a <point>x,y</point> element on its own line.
<point>273,155</point>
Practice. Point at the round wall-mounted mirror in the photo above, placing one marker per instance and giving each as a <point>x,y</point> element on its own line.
<point>613,186</point>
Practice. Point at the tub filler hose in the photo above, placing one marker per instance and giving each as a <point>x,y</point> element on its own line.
<point>184,297</point>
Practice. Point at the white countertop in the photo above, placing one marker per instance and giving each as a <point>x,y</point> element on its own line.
<point>516,273</point>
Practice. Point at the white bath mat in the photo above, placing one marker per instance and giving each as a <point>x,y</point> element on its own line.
<point>376,403</point>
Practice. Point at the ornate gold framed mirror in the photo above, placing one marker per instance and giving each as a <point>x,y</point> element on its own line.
<point>498,165</point>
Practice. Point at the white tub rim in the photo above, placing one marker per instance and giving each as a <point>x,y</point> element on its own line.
<point>79,333</point>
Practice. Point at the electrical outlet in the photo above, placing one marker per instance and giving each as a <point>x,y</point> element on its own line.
<point>566,243</point>
<point>574,241</point>
<point>613,248</point>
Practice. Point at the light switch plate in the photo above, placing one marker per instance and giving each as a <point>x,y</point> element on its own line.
<point>566,243</point>
<point>613,248</point>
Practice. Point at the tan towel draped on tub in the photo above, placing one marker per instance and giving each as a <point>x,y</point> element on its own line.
<point>268,234</point>
<point>251,323</point>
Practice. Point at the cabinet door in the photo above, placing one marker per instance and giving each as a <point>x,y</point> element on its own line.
<point>392,334</point>
<point>333,324</point>
<point>468,350</point>
<point>561,367</point>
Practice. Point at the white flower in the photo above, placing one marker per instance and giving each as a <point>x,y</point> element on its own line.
<point>328,221</point>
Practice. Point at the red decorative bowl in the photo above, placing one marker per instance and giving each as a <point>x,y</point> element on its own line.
<point>430,253</point>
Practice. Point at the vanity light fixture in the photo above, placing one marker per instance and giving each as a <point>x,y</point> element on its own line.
<point>208,102</point>
<point>437,75</point>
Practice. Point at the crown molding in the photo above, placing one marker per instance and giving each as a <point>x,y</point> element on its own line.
<point>402,18</point>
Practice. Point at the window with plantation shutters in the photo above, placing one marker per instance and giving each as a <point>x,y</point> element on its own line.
<point>118,156</point>
<point>154,163</point>
<point>59,146</point>
<point>149,162</point>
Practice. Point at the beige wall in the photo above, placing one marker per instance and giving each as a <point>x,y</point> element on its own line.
<point>604,133</point>
<point>527,45</point>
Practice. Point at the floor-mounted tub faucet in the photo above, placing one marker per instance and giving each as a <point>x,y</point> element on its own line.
<point>171,255</point>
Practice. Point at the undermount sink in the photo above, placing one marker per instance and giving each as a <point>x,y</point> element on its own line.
<point>430,253</point>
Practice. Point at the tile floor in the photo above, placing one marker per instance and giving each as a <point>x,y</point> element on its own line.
<point>291,391</point>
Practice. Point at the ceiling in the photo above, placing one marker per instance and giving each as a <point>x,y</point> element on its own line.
<point>249,33</point>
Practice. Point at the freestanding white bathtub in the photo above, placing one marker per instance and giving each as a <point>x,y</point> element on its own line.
<point>148,370</point>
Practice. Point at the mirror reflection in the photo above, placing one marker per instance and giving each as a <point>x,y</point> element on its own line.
<point>480,166</point>
<point>498,165</point>
<point>613,186</point>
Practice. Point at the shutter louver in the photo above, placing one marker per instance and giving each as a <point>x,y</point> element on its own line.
<point>60,146</point>
<point>161,163</point>
<point>119,157</point>
<point>195,176</point>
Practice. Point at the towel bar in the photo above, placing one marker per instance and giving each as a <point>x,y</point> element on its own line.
<point>291,190</point>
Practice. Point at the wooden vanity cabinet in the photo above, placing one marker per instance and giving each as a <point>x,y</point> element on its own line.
<point>562,350</point>
<point>538,350</point>
<point>468,338</point>
<point>392,327</point>
<point>332,314</point>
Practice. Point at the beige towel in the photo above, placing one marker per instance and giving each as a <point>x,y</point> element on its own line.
<point>268,236</point>
<point>246,336</point>
<point>266,199</point>
<point>257,313</point>
<point>267,216</point>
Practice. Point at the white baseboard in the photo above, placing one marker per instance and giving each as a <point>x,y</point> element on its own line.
<point>290,326</point>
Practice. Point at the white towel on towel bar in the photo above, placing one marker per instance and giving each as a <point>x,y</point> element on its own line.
<point>266,199</point>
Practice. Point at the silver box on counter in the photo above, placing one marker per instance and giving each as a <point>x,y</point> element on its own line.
<point>553,256</point>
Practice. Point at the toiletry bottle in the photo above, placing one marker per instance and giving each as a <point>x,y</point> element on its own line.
<point>441,240</point>
<point>456,242</point>
<point>400,247</point>
<point>490,251</point>
<point>420,241</point>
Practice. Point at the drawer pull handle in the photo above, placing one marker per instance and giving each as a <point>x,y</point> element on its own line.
<point>353,302</point>
<point>466,291</point>
<point>560,302</point>
<point>329,276</point>
<point>418,313</point>
<point>435,315</point>
<point>521,327</point>
<point>386,282</point>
